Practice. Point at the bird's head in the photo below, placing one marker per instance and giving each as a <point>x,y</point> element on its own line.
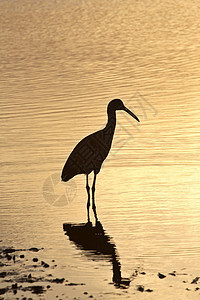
<point>117,104</point>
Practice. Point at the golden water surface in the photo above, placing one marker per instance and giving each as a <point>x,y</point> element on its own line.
<point>61,63</point>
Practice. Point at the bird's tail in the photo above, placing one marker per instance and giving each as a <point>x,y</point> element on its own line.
<point>65,177</point>
<point>67,172</point>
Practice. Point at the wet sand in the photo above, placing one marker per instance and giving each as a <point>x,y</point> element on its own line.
<point>24,275</point>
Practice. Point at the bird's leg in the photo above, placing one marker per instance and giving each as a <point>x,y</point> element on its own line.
<point>93,200</point>
<point>88,202</point>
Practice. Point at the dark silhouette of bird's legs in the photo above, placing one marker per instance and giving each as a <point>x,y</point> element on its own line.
<point>88,202</point>
<point>93,200</point>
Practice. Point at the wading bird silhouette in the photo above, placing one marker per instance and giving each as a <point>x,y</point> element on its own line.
<point>91,151</point>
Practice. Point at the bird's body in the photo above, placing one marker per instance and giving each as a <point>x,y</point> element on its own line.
<point>89,154</point>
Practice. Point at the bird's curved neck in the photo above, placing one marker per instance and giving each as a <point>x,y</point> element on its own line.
<point>111,123</point>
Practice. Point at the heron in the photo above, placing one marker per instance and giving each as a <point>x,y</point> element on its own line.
<point>89,154</point>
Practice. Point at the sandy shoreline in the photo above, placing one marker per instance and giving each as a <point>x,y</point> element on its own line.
<point>24,275</point>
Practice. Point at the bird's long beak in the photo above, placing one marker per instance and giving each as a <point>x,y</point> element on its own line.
<point>130,113</point>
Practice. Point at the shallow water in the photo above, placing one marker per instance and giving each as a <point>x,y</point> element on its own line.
<point>61,63</point>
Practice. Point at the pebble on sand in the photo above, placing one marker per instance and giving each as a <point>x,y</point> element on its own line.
<point>149,290</point>
<point>195,280</point>
<point>161,276</point>
<point>173,273</point>
<point>34,249</point>
<point>140,288</point>
<point>35,259</point>
<point>45,265</point>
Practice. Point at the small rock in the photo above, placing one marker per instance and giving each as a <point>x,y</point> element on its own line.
<point>85,293</point>
<point>48,286</point>
<point>161,276</point>
<point>22,256</point>
<point>140,288</point>
<point>34,249</point>
<point>187,289</point>
<point>45,265</point>
<point>149,290</point>
<point>143,273</point>
<point>195,280</point>
<point>197,288</point>
<point>35,259</point>
<point>172,273</point>
<point>29,276</point>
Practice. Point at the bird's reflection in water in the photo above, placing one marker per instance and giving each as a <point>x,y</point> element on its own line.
<point>95,243</point>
